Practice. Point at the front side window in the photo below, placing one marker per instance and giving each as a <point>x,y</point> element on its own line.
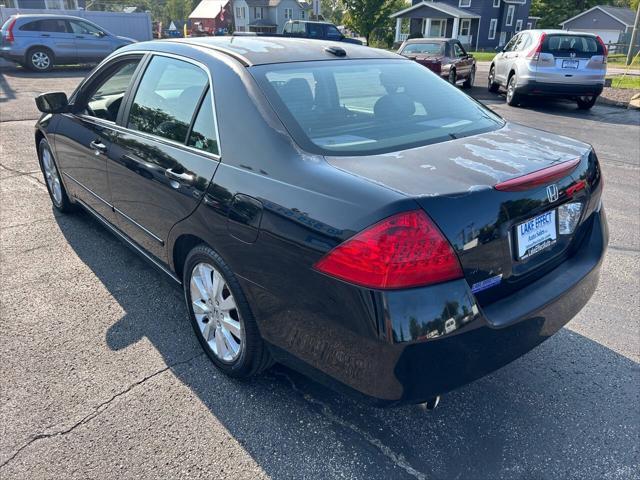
<point>167,98</point>
<point>511,46</point>
<point>333,32</point>
<point>459,51</point>
<point>375,106</point>
<point>84,28</point>
<point>203,136</point>
<point>105,101</point>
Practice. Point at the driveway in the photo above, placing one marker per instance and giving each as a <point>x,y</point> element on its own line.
<point>101,376</point>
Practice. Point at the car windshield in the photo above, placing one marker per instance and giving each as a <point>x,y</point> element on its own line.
<point>431,48</point>
<point>363,107</point>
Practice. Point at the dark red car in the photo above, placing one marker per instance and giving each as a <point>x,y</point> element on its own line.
<point>444,56</point>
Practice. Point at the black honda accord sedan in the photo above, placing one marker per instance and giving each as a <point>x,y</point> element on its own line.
<point>336,208</point>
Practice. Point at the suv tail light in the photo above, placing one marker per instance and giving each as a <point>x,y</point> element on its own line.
<point>535,53</point>
<point>9,38</point>
<point>605,50</point>
<point>402,251</point>
<point>539,177</point>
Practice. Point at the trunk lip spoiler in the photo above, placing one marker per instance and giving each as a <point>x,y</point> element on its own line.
<point>538,178</point>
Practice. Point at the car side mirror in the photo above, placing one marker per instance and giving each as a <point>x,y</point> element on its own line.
<point>101,34</point>
<point>52,102</point>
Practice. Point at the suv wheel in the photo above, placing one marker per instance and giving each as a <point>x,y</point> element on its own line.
<point>468,83</point>
<point>493,86</point>
<point>513,97</point>
<point>40,59</point>
<point>585,103</point>
<point>221,317</point>
<point>56,189</point>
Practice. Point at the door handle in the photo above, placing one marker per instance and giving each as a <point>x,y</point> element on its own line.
<point>98,146</point>
<point>183,178</point>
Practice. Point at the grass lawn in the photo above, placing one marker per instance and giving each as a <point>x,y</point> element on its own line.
<point>628,81</point>
<point>483,56</point>
<point>619,60</point>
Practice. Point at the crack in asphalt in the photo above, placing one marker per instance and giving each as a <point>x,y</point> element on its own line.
<point>96,410</point>
<point>19,173</point>
<point>622,248</point>
<point>396,458</point>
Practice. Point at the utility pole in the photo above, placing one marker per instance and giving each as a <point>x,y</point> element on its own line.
<point>634,37</point>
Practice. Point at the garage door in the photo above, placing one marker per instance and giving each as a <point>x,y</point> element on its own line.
<point>607,36</point>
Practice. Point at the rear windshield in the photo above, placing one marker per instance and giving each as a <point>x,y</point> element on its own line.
<point>435,48</point>
<point>360,107</point>
<point>565,45</point>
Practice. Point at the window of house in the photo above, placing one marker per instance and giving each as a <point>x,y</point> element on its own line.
<point>167,97</point>
<point>302,14</point>
<point>496,3</point>
<point>529,25</point>
<point>203,136</point>
<point>465,27</point>
<point>437,28</point>
<point>105,102</point>
<point>510,13</point>
<point>288,13</point>
<point>493,25</point>
<point>464,3</point>
<point>518,25</point>
<point>257,12</point>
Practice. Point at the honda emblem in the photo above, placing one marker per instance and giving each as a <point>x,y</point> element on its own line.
<point>552,192</point>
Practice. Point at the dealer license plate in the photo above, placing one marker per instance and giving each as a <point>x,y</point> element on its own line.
<point>536,234</point>
<point>570,63</point>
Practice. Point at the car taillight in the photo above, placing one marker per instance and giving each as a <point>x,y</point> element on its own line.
<point>605,50</point>
<point>9,35</point>
<point>402,251</point>
<point>535,53</point>
<point>538,178</point>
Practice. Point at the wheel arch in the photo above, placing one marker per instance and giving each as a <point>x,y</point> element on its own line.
<point>43,47</point>
<point>181,248</point>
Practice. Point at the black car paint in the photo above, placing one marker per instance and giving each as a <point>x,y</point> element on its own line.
<point>271,210</point>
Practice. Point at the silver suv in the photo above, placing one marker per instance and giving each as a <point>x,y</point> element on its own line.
<point>555,63</point>
<point>40,41</point>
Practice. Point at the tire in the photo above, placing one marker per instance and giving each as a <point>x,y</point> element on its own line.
<point>55,187</point>
<point>492,85</point>
<point>468,83</point>
<point>585,103</point>
<point>513,97</point>
<point>452,78</point>
<point>39,59</point>
<point>221,317</point>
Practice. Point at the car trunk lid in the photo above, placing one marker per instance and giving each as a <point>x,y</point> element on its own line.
<point>454,182</point>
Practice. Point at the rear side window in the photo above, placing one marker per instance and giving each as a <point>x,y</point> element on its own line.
<point>50,25</point>
<point>364,107</point>
<point>432,48</point>
<point>566,45</point>
<point>167,98</point>
<point>105,102</point>
<point>203,136</point>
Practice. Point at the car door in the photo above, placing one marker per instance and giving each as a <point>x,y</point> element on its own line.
<point>462,60</point>
<point>84,137</point>
<point>166,152</point>
<point>505,59</point>
<point>92,43</point>
<point>54,34</point>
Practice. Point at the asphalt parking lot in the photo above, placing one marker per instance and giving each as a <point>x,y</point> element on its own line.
<point>101,376</point>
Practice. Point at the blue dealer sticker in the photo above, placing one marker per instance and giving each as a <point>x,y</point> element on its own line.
<point>487,283</point>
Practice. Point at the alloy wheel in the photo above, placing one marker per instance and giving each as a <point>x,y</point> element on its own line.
<point>51,175</point>
<point>40,60</point>
<point>216,312</point>
<point>511,88</point>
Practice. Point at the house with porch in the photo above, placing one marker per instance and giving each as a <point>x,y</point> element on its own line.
<point>478,24</point>
<point>268,15</point>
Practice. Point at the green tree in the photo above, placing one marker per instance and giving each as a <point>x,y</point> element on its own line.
<point>332,11</point>
<point>365,16</point>
<point>552,12</point>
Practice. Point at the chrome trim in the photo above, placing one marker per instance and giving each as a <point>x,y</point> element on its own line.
<point>148,135</point>
<point>88,190</point>
<point>148,232</point>
<point>126,239</point>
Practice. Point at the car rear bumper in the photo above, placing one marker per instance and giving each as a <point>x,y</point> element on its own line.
<point>10,54</point>
<point>533,87</point>
<point>427,354</point>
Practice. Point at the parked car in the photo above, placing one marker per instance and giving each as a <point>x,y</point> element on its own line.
<point>41,41</point>
<point>316,30</point>
<point>333,207</point>
<point>551,63</point>
<point>444,56</point>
